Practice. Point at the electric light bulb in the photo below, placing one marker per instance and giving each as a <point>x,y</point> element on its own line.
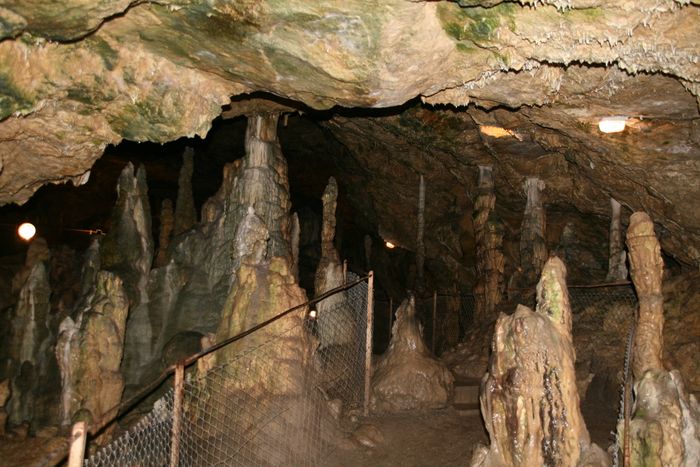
<point>612,124</point>
<point>312,314</point>
<point>26,231</point>
<point>389,245</point>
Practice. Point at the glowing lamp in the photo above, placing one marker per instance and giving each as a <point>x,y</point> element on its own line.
<point>312,314</point>
<point>26,231</point>
<point>389,245</point>
<point>612,124</point>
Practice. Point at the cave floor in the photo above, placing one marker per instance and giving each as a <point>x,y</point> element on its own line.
<point>442,438</point>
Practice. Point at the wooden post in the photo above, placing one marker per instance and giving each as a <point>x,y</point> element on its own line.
<point>179,386</point>
<point>368,340</point>
<point>434,318</point>
<point>77,444</point>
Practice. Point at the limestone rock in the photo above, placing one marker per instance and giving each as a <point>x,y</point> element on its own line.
<point>4,395</point>
<point>336,325</point>
<point>166,232</point>
<point>533,249</point>
<point>127,250</point>
<point>617,267</point>
<point>408,377</point>
<point>89,351</point>
<point>33,335</point>
<point>529,398</point>
<point>185,212</point>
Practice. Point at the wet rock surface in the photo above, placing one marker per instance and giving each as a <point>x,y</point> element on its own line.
<point>408,376</point>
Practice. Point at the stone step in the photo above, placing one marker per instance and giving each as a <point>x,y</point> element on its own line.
<point>466,395</point>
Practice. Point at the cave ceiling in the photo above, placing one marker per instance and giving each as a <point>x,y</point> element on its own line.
<point>78,75</point>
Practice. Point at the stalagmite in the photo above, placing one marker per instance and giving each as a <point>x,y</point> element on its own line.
<point>408,377</point>
<point>335,323</point>
<point>166,232</point>
<point>533,250</point>
<point>89,351</point>
<point>617,269</point>
<point>646,271</point>
<point>127,250</point>
<point>185,212</point>
<point>490,262</point>
<point>264,284</point>
<point>420,245</point>
<point>665,428</point>
<point>529,399</point>
<point>33,333</point>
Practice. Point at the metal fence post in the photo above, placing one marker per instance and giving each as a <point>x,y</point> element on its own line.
<point>77,444</point>
<point>179,386</point>
<point>368,340</point>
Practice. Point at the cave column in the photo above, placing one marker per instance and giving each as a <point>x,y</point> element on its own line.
<point>489,286</point>
<point>646,269</point>
<point>617,269</point>
<point>533,249</point>
<point>185,211</point>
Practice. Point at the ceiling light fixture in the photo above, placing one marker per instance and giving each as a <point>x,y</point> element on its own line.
<point>389,245</point>
<point>612,124</point>
<point>26,231</point>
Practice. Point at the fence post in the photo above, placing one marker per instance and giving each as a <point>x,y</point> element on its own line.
<point>179,386</point>
<point>434,319</point>
<point>77,444</point>
<point>368,340</point>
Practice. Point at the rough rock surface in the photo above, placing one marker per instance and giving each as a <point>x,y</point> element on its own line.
<point>665,425</point>
<point>408,377</point>
<point>336,325</point>
<point>617,262</point>
<point>166,232</point>
<point>127,251</point>
<point>533,247</point>
<point>4,395</point>
<point>89,351</point>
<point>185,212</point>
<point>529,399</point>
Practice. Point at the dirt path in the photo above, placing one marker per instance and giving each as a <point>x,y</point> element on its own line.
<point>442,438</point>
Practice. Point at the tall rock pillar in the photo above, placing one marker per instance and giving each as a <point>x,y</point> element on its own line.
<point>617,269</point>
<point>490,262</point>
<point>533,249</point>
<point>185,211</point>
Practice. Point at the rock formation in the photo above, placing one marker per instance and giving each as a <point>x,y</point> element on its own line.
<point>264,282</point>
<point>617,264</point>
<point>335,322</point>
<point>408,377</point>
<point>4,395</point>
<point>166,231</point>
<point>89,351</point>
<point>185,212</point>
<point>529,399</point>
<point>127,251</point>
<point>533,249</point>
<point>490,263</point>
<point>420,232</point>
<point>665,425</point>
<point>34,333</point>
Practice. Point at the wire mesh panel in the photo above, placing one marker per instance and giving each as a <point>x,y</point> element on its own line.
<point>259,407</point>
<point>582,298</point>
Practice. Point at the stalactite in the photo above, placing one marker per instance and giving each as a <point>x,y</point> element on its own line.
<point>420,245</point>
<point>617,269</point>
<point>533,249</point>
<point>646,271</point>
<point>166,232</point>
<point>490,262</point>
<point>185,212</point>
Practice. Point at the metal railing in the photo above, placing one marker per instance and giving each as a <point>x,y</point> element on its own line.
<point>265,404</point>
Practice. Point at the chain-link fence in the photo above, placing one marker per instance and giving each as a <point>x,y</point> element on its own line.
<point>445,317</point>
<point>258,407</point>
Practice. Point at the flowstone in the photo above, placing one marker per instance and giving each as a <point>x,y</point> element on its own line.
<point>529,399</point>
<point>408,377</point>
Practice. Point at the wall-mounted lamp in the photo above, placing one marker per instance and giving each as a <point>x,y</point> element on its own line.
<point>612,124</point>
<point>26,231</point>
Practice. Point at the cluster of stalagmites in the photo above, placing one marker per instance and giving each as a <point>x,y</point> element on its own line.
<point>140,309</point>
